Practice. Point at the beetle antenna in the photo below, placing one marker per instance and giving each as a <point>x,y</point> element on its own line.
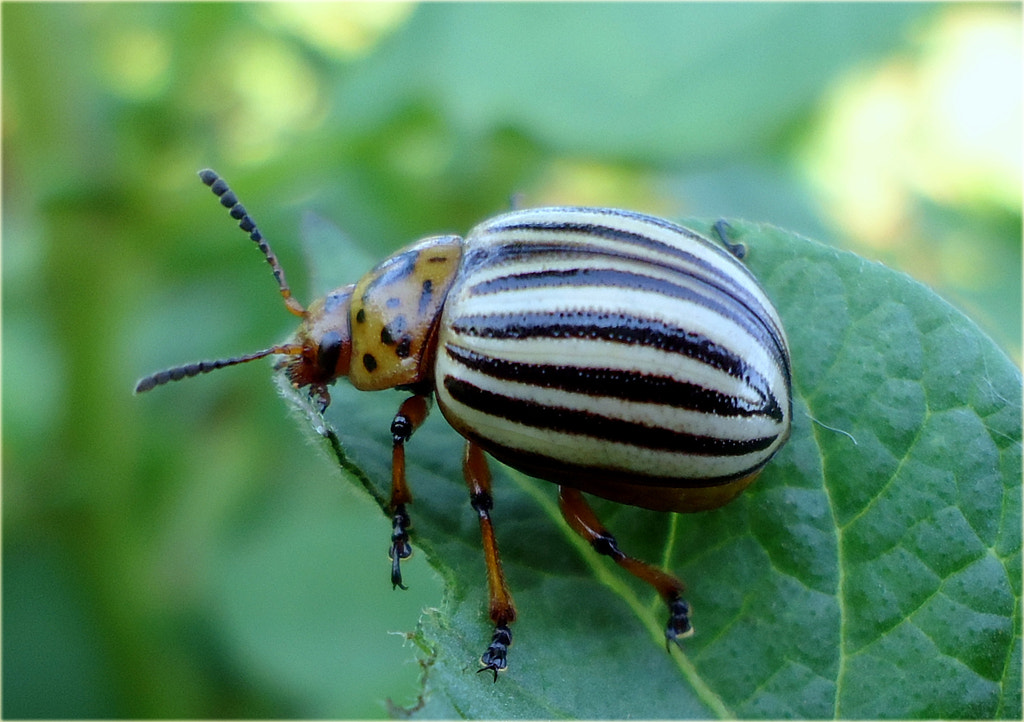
<point>229,200</point>
<point>204,367</point>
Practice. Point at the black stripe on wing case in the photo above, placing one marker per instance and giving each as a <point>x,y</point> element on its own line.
<point>698,267</point>
<point>585,423</point>
<point>722,303</point>
<point>627,385</point>
<point>611,327</point>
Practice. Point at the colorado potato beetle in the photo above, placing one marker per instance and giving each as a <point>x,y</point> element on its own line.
<point>606,351</point>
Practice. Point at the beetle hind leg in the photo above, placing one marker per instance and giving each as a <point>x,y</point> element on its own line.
<point>501,608</point>
<point>581,517</point>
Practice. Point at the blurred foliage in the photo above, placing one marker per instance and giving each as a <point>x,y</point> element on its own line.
<point>147,542</point>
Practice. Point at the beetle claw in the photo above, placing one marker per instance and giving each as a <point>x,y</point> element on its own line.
<point>678,627</point>
<point>495,658</point>
<point>320,396</point>
<point>396,568</point>
<point>400,548</point>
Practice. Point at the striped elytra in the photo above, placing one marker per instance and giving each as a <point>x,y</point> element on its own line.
<point>606,351</point>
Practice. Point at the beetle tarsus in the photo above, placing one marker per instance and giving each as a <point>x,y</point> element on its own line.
<point>678,627</point>
<point>400,547</point>
<point>396,572</point>
<point>722,229</point>
<point>495,658</point>
<point>320,396</point>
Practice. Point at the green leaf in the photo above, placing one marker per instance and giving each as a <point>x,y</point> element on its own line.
<point>556,70</point>
<point>872,571</point>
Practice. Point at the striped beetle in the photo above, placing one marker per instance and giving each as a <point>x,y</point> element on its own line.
<point>606,351</point>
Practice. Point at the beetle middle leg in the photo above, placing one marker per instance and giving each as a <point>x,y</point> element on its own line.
<point>411,414</point>
<point>501,608</point>
<point>581,517</point>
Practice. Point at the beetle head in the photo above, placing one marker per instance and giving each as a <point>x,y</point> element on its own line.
<point>321,349</point>
<point>324,341</point>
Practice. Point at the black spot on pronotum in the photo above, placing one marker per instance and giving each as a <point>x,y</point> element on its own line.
<point>403,348</point>
<point>393,330</point>
<point>369,362</point>
<point>361,316</point>
<point>425,295</point>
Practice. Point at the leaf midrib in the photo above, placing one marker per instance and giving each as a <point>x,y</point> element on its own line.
<point>612,578</point>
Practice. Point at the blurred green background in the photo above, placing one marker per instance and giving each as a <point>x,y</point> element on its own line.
<point>188,553</point>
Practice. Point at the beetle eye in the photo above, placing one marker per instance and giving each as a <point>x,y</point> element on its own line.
<point>327,353</point>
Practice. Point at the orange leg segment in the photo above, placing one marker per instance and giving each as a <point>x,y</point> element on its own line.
<point>581,517</point>
<point>411,414</point>
<point>501,608</point>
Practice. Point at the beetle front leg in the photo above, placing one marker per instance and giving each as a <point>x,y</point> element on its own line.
<point>581,517</point>
<point>501,608</point>
<point>411,414</point>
